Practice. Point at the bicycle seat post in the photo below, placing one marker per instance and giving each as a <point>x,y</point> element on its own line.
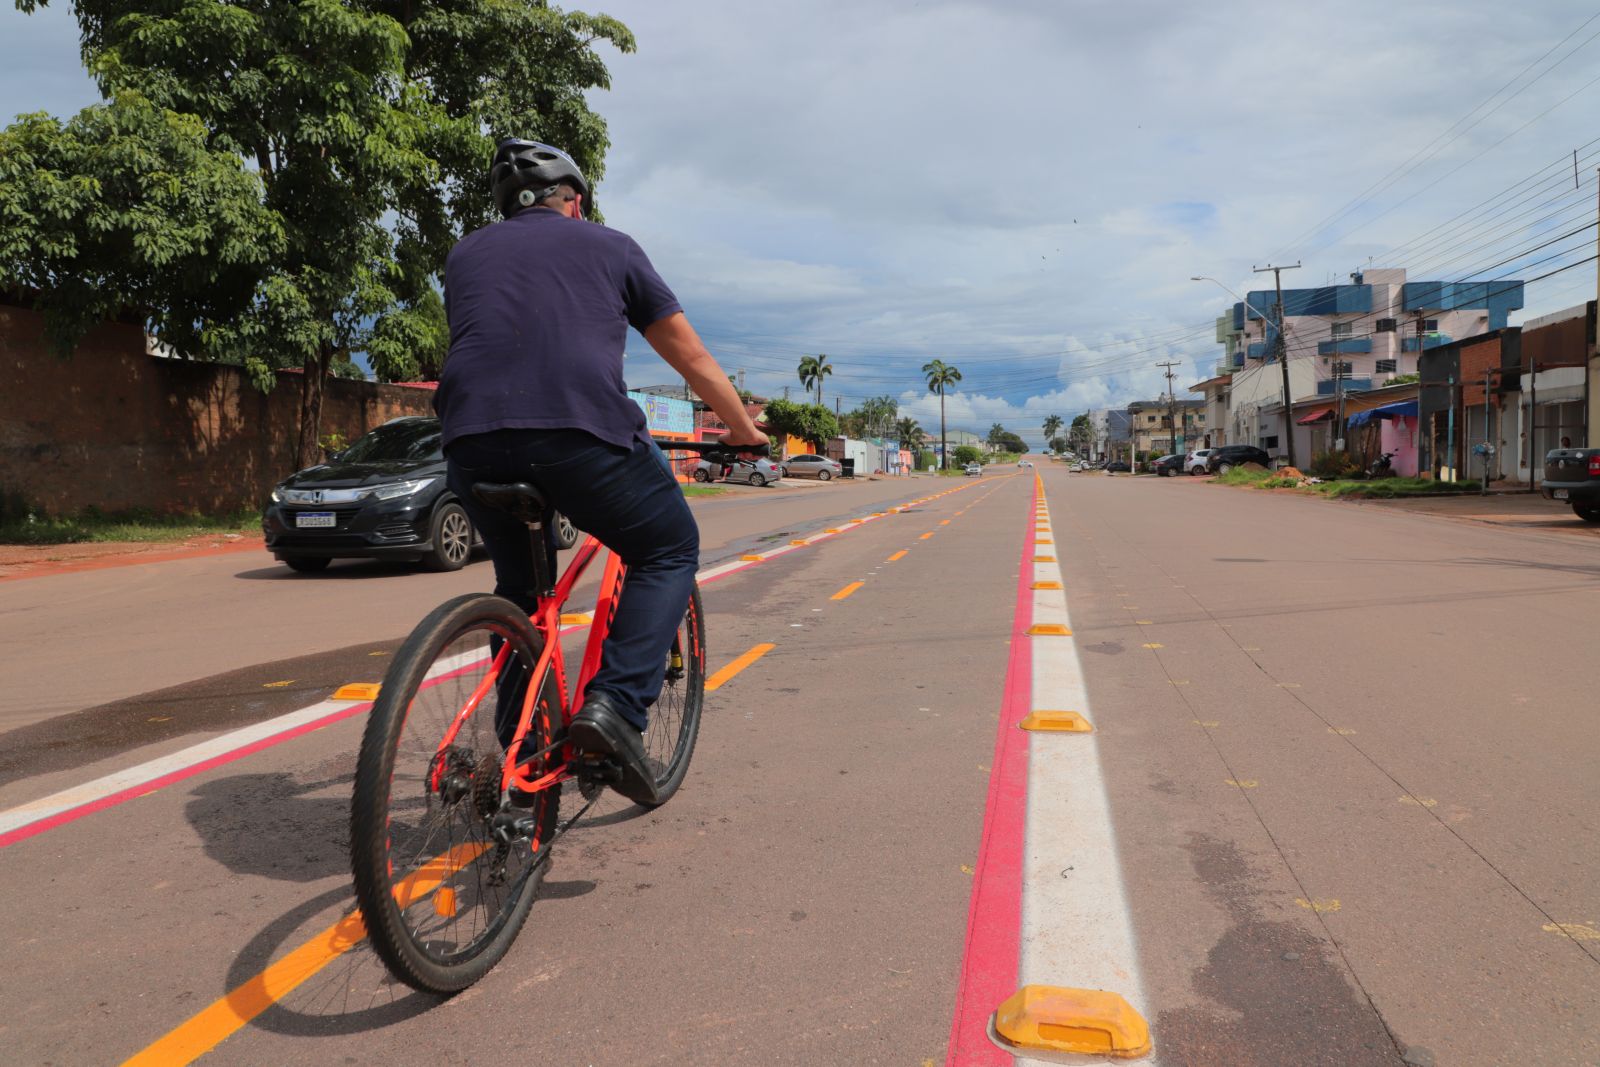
<point>525,503</point>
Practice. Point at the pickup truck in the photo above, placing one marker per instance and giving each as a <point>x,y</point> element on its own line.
<point>1572,476</point>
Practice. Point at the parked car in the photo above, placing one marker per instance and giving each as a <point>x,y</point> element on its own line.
<point>384,497</point>
<point>974,468</point>
<point>811,466</point>
<point>753,471</point>
<point>1224,459</point>
<point>1077,468</point>
<point>1117,467</point>
<point>1168,466</point>
<point>1572,476</point>
<point>1195,462</point>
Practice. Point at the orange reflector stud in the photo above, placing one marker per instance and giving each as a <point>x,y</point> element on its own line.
<point>1087,1021</point>
<point>800,541</point>
<point>1061,721</point>
<point>831,529</point>
<point>444,902</point>
<point>1044,559</point>
<point>1047,585</point>
<point>357,691</point>
<point>1043,541</point>
<point>751,559</point>
<point>1049,629</point>
<point>577,618</point>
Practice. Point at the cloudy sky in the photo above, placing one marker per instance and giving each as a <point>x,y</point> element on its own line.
<point>1024,188</point>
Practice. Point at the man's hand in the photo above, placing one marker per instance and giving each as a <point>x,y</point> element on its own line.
<point>745,442</point>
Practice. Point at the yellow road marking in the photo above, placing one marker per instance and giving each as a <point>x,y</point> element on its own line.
<point>898,555</point>
<point>925,536</point>
<point>944,522</point>
<point>1243,783</point>
<point>717,680</point>
<point>277,685</point>
<point>1576,931</point>
<point>1318,905</point>
<point>225,1017</point>
<point>577,618</point>
<point>847,590</point>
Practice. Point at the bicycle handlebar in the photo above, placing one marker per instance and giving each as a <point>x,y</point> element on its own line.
<point>709,449</point>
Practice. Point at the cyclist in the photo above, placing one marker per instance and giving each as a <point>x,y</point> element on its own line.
<point>539,306</point>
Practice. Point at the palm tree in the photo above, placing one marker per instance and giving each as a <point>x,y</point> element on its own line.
<point>1052,426</point>
<point>941,376</point>
<point>909,432</point>
<point>812,370</point>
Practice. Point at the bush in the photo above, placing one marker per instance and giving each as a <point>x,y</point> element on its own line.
<point>965,454</point>
<point>1330,466</point>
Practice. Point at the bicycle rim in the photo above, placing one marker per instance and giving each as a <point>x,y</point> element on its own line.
<point>442,898</point>
<point>674,721</point>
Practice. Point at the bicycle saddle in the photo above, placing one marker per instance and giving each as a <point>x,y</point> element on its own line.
<point>519,499</point>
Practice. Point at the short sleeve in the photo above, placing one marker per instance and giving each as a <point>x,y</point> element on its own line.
<point>647,297</point>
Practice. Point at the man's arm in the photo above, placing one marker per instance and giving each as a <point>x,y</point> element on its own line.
<point>677,342</point>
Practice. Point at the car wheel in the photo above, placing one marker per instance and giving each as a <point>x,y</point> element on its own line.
<point>701,474</point>
<point>1587,512</point>
<point>566,533</point>
<point>452,539</point>
<point>1224,468</point>
<point>824,474</point>
<point>757,480</point>
<point>307,564</point>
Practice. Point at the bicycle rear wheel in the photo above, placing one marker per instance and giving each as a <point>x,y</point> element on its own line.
<point>674,722</point>
<point>441,896</point>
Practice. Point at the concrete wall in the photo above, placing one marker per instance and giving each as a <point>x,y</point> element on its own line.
<point>114,428</point>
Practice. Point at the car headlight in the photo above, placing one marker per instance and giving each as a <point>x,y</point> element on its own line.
<point>396,490</point>
<point>276,498</point>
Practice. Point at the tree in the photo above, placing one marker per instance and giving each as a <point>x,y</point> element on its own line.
<point>367,124</point>
<point>996,432</point>
<point>812,370</point>
<point>967,454</point>
<point>813,423</point>
<point>909,432</point>
<point>1010,442</point>
<point>1082,431</point>
<point>941,376</point>
<point>1052,426</point>
<point>1059,444</point>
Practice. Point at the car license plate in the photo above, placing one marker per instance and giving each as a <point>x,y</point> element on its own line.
<point>1559,494</point>
<point>312,519</point>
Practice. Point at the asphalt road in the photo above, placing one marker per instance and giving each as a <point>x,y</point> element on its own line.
<point>1348,754</point>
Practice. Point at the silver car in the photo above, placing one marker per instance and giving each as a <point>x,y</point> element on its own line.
<point>810,466</point>
<point>756,472</point>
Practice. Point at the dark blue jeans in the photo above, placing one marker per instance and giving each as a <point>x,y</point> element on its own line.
<point>626,498</point>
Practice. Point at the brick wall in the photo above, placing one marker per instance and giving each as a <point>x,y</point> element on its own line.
<point>114,428</point>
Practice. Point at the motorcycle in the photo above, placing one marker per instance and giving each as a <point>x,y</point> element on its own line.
<point>1382,467</point>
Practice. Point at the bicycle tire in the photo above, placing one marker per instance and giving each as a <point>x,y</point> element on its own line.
<point>674,722</point>
<point>412,868</point>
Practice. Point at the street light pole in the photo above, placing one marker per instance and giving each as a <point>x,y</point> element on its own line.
<point>1282,346</point>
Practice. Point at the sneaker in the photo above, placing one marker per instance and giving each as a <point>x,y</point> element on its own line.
<point>600,729</point>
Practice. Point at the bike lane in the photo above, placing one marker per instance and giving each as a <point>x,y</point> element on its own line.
<point>194,889</point>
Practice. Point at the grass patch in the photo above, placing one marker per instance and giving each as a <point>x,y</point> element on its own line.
<point>1392,487</point>
<point>1242,476</point>
<point>33,528</point>
<point>703,490</point>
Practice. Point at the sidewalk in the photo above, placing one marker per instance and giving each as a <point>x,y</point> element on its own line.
<point>1524,510</point>
<point>37,561</point>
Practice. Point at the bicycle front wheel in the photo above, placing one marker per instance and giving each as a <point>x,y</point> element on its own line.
<point>442,898</point>
<point>674,721</point>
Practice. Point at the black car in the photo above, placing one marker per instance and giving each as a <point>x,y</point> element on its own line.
<point>1226,457</point>
<point>1117,467</point>
<point>1168,466</point>
<point>1572,476</point>
<point>384,497</point>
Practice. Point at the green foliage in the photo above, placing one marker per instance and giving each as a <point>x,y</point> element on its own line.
<point>813,369</point>
<point>925,459</point>
<point>1404,379</point>
<point>1242,476</point>
<point>1010,442</point>
<point>1059,444</point>
<point>965,454</point>
<point>813,423</point>
<point>126,205</point>
<point>1052,426</point>
<point>368,125</point>
<point>941,376</point>
<point>1332,465</point>
<point>908,431</point>
<point>33,527</point>
<point>1392,487</point>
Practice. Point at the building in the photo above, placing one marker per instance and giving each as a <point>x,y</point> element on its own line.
<point>1343,340</point>
<point>1215,392</point>
<point>1166,426</point>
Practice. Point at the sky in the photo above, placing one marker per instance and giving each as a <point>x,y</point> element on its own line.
<point>1024,189</point>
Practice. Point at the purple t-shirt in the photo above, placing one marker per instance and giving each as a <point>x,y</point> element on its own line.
<point>539,308</point>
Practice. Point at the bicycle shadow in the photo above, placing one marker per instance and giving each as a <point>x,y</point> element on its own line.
<point>273,825</point>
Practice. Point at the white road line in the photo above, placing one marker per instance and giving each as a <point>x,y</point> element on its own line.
<point>151,773</point>
<point>1076,927</point>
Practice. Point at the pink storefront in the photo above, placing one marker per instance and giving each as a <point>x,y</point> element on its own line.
<point>1390,428</point>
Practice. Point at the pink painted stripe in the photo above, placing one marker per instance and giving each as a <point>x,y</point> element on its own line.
<point>22,833</point>
<point>992,958</point>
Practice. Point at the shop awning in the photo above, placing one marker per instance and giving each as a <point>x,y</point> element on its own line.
<point>1403,409</point>
<point>1319,414</point>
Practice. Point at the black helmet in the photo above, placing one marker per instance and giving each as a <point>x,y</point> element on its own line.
<point>528,165</point>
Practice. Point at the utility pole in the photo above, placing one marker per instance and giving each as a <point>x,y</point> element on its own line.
<point>1172,421</point>
<point>1283,355</point>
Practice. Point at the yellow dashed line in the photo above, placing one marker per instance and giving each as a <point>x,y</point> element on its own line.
<point>847,590</point>
<point>898,555</point>
<point>721,678</point>
<point>925,536</point>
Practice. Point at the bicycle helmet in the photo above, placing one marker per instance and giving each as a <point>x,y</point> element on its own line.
<point>523,172</point>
